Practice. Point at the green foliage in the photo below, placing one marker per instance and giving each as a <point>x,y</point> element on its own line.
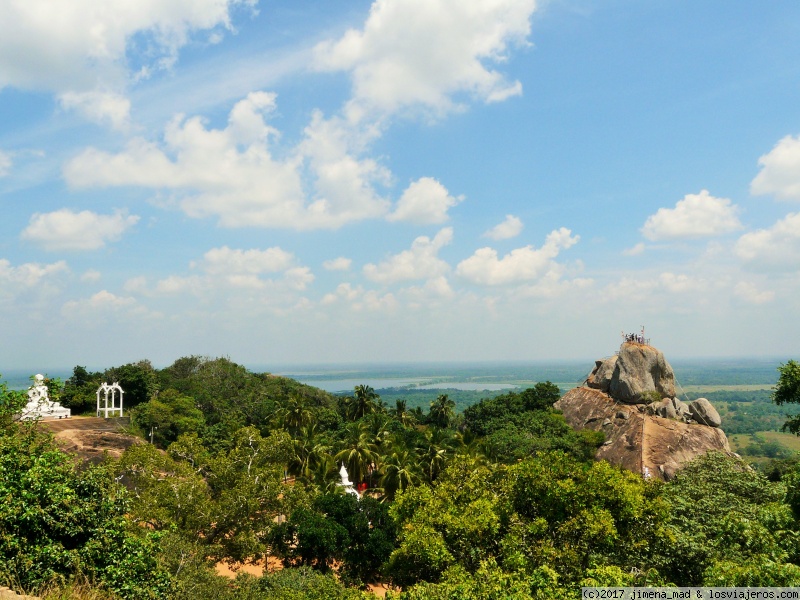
<point>759,445</point>
<point>57,521</point>
<point>441,411</point>
<point>517,425</point>
<point>571,515</point>
<point>168,415</point>
<point>227,500</point>
<point>139,380</point>
<point>489,582</point>
<point>650,396</point>
<point>358,534</point>
<point>454,521</point>
<point>80,390</point>
<point>722,511</point>
<point>304,583</point>
<point>787,391</point>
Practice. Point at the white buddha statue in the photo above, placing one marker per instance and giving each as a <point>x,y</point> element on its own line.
<point>40,406</point>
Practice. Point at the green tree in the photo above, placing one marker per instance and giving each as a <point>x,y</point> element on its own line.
<point>58,520</point>
<point>722,511</point>
<point>787,391</point>
<point>364,401</point>
<point>358,453</point>
<point>441,411</point>
<point>168,415</point>
<point>139,381</point>
<point>80,390</point>
<point>294,414</point>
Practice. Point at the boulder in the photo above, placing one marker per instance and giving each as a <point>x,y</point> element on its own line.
<point>640,368</point>
<point>640,442</point>
<point>703,412</point>
<point>600,377</point>
<point>682,410</point>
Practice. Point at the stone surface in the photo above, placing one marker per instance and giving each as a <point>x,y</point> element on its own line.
<point>600,377</point>
<point>704,413</point>
<point>643,443</point>
<point>640,368</point>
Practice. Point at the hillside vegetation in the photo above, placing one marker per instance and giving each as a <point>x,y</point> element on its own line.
<point>503,500</point>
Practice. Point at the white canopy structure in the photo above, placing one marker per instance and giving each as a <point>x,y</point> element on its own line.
<point>110,396</point>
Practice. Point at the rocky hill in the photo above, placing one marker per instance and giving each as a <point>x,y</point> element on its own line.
<point>630,397</point>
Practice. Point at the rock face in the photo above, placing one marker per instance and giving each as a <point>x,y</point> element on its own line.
<point>651,436</point>
<point>703,412</point>
<point>635,440</point>
<point>637,369</point>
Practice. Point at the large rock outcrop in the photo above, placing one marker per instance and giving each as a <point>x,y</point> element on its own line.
<point>630,397</point>
<point>637,369</point>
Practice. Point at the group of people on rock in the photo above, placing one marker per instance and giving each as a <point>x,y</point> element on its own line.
<point>634,337</point>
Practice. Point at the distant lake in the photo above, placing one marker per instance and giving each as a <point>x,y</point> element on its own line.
<point>337,386</point>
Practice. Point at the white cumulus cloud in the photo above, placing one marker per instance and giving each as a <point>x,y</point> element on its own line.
<point>224,260</point>
<point>509,228</point>
<point>69,230</point>
<point>105,108</point>
<point>635,250</point>
<point>82,44</point>
<point>776,248</point>
<point>232,174</point>
<point>425,52</point>
<point>28,275</point>
<point>337,264</point>
<point>421,261</point>
<point>780,171</point>
<point>424,202</point>
<point>696,216</point>
<point>751,294</point>
<point>520,265</point>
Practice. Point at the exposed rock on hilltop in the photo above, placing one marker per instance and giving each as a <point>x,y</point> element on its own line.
<point>638,368</point>
<point>654,437</point>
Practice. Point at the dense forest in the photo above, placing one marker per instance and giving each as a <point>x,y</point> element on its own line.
<point>500,500</point>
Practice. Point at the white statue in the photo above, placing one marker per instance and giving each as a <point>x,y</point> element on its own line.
<point>40,406</point>
<point>346,483</point>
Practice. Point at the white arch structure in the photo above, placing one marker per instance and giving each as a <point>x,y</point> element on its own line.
<point>109,395</point>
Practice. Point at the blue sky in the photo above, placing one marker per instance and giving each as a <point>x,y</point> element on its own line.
<point>401,180</point>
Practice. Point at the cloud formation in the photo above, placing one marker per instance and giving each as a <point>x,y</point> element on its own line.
<point>231,173</point>
<point>82,45</point>
<point>424,202</point>
<point>337,264</point>
<point>104,108</point>
<point>510,228</point>
<point>520,265</point>
<point>696,216</point>
<point>774,249</point>
<point>426,52</point>
<point>69,230</point>
<point>780,171</point>
<point>421,261</point>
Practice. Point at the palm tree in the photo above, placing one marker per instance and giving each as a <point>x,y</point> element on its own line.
<point>363,402</point>
<point>399,472</point>
<point>307,452</point>
<point>359,452</point>
<point>434,452</point>
<point>294,414</point>
<point>377,425</point>
<point>442,411</point>
<point>402,414</point>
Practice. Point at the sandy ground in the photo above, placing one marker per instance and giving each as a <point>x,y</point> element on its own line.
<point>273,564</point>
